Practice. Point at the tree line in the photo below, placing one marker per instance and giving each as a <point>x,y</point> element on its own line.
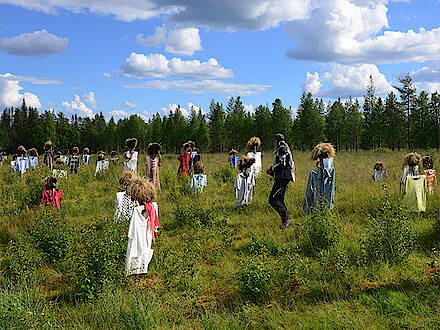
<point>408,120</point>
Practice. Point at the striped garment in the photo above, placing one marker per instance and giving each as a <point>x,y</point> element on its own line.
<point>431,180</point>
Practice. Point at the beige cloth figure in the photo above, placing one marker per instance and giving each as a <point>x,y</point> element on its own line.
<point>152,163</point>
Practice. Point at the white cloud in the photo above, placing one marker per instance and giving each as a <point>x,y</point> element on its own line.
<point>158,66</point>
<point>129,105</point>
<point>195,107</point>
<point>202,86</point>
<point>77,107</point>
<point>37,43</point>
<point>348,32</point>
<point>180,41</point>
<point>39,81</point>
<point>119,113</point>
<point>106,75</point>
<point>220,15</point>
<point>10,93</point>
<point>249,108</point>
<point>171,108</point>
<point>346,80</point>
<point>90,99</point>
<point>427,78</point>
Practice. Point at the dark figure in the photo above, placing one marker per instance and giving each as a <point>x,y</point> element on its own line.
<point>282,172</point>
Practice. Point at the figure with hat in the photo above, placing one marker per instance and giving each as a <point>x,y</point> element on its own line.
<point>410,167</point>
<point>320,191</point>
<point>283,172</point>
<point>153,162</point>
<point>429,172</point>
<point>198,179</point>
<point>233,158</point>
<point>114,157</point>
<point>33,158</point>
<point>85,156</point>
<point>379,172</point>
<point>415,187</point>
<point>22,162</point>
<point>101,164</point>
<point>59,171</point>
<point>130,155</point>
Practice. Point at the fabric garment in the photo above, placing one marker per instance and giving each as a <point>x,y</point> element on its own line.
<point>13,165</point>
<point>415,193</point>
<point>276,198</point>
<point>256,167</point>
<point>152,163</point>
<point>85,159</point>
<point>407,170</point>
<point>431,180</point>
<point>130,161</point>
<point>198,182</point>
<point>328,162</point>
<point>48,158</point>
<point>184,165</point>
<point>65,158</point>
<point>233,161</point>
<point>143,227</point>
<point>283,165</point>
<point>124,207</point>
<point>74,162</point>
<point>22,165</point>
<point>195,158</point>
<point>101,166</point>
<point>59,174</point>
<point>380,175</point>
<point>320,191</point>
<point>33,162</point>
<point>52,197</point>
<point>244,188</point>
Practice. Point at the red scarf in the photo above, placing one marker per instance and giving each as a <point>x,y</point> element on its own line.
<point>153,220</point>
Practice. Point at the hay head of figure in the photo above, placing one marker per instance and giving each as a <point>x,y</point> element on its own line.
<point>379,166</point>
<point>253,145</point>
<point>47,146</point>
<point>86,151</point>
<point>245,163</point>
<point>233,152</point>
<point>141,191</point>
<point>101,156</point>
<point>153,149</point>
<point>199,168</point>
<point>33,152</point>
<point>131,144</point>
<point>21,151</point>
<point>412,159</point>
<point>60,163</point>
<point>126,178</point>
<point>49,183</point>
<point>75,150</point>
<point>428,162</point>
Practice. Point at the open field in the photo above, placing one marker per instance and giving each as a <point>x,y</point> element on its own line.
<point>365,265</point>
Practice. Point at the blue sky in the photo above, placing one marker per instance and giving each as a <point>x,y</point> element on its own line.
<point>146,56</point>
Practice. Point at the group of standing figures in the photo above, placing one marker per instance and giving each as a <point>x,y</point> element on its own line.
<point>137,202</point>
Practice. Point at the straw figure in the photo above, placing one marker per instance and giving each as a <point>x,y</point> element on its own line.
<point>59,171</point>
<point>48,157</point>
<point>22,162</point>
<point>233,159</point>
<point>429,172</point>
<point>74,161</point>
<point>130,155</point>
<point>252,148</point>
<point>114,157</point>
<point>379,172</point>
<point>85,156</point>
<point>410,167</point>
<point>153,161</point>
<point>101,164</point>
<point>184,159</point>
<point>51,195</point>
<point>198,179</point>
<point>413,186</point>
<point>124,205</point>
<point>33,158</point>
<point>244,182</point>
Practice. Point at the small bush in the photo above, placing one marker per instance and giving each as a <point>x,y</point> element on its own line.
<point>50,233</point>
<point>383,150</point>
<point>391,237</point>
<point>321,232</point>
<point>254,279</point>
<point>225,174</point>
<point>195,216</point>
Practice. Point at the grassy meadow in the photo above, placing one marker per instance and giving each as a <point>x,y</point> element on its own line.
<point>368,264</point>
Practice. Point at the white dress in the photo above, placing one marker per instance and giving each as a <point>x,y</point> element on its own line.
<point>256,167</point>
<point>244,187</point>
<point>140,237</point>
<point>101,166</point>
<point>130,161</point>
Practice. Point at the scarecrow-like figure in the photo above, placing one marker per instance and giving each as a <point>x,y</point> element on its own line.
<point>252,148</point>
<point>33,158</point>
<point>153,161</point>
<point>198,180</point>
<point>51,194</point>
<point>428,170</point>
<point>59,171</point>
<point>124,205</point>
<point>85,157</point>
<point>22,162</point>
<point>185,160</point>
<point>410,168</point>
<point>130,155</point>
<point>233,158</point>
<point>48,157</point>
<point>101,164</point>
<point>244,182</point>
<point>379,172</point>
<point>114,157</point>
<point>74,161</point>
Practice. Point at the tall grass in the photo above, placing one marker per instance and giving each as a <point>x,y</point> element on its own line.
<point>216,267</point>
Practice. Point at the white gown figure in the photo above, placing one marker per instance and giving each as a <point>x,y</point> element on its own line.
<point>256,167</point>
<point>244,187</point>
<point>130,161</point>
<point>140,237</point>
<point>101,166</point>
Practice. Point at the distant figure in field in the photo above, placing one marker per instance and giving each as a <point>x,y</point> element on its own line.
<point>283,172</point>
<point>198,179</point>
<point>22,162</point>
<point>49,156</point>
<point>428,170</point>
<point>59,171</point>
<point>2,156</point>
<point>13,160</point>
<point>244,182</point>
<point>85,157</point>
<point>145,218</point>
<point>65,155</point>
<point>51,195</point>
<point>184,159</point>
<point>252,149</point>
<point>233,158</point>
<point>410,168</point>
<point>320,191</point>
<point>130,155</point>
<point>124,205</point>
<point>114,157</point>
<point>153,161</point>
<point>195,156</point>
<point>101,164</point>
<point>33,158</point>
<point>191,148</point>
<point>379,172</point>
<point>74,161</point>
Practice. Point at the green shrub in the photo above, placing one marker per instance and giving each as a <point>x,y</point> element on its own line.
<point>390,237</point>
<point>254,279</point>
<point>225,174</point>
<point>383,150</point>
<point>195,216</point>
<point>321,232</point>
<point>50,234</point>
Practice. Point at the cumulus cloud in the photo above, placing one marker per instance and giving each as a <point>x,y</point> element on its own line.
<point>427,78</point>
<point>221,15</point>
<point>249,108</point>
<point>348,32</point>
<point>346,80</point>
<point>171,108</point>
<point>118,113</point>
<point>195,107</point>
<point>77,107</point>
<point>39,81</point>
<point>202,86</point>
<point>37,43</point>
<point>129,105</point>
<point>180,41</point>
<point>90,99</point>
<point>158,66</point>
<point>10,93</point>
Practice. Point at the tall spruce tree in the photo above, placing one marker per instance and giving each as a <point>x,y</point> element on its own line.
<point>408,97</point>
